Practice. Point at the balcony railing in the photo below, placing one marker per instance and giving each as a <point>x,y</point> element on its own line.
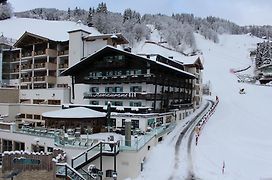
<point>26,79</point>
<point>121,79</point>
<point>46,52</point>
<point>62,53</point>
<point>134,95</point>
<point>27,54</point>
<point>46,79</point>
<point>15,70</point>
<point>47,65</point>
<point>26,66</point>
<point>61,66</point>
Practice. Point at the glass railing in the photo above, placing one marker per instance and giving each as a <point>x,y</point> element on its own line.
<point>101,148</point>
<point>86,155</point>
<point>139,141</point>
<point>41,132</point>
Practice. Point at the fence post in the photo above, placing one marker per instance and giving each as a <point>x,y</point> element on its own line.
<point>72,163</point>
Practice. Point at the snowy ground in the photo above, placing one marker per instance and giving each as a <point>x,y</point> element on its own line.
<point>239,132</point>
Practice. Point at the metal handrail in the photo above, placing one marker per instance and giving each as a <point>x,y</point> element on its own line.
<point>67,171</point>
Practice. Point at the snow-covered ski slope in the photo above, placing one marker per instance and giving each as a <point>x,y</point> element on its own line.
<point>239,133</point>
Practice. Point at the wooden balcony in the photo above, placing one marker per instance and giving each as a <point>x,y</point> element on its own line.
<point>120,79</point>
<point>26,79</point>
<point>63,53</point>
<point>45,79</point>
<point>63,66</point>
<point>26,67</point>
<point>16,70</point>
<point>46,52</point>
<point>132,95</point>
<point>51,52</point>
<point>28,54</point>
<point>47,65</point>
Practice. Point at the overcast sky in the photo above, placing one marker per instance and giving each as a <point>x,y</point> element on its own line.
<point>242,12</point>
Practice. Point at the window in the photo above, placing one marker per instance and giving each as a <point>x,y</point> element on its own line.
<point>117,89</point>
<point>22,115</point>
<point>94,89</point>
<point>168,119</point>
<point>38,101</point>
<point>135,124</point>
<point>53,102</point>
<point>49,149</point>
<point>95,74</point>
<point>136,89</point>
<point>18,146</point>
<point>138,71</point>
<point>94,102</point>
<point>159,121</point>
<point>99,74</point>
<point>109,89</point>
<point>151,122</point>
<point>29,116</point>
<point>62,85</point>
<point>128,72</point>
<point>135,104</point>
<point>37,116</point>
<point>110,59</point>
<point>123,122</point>
<point>115,103</point>
<point>113,122</point>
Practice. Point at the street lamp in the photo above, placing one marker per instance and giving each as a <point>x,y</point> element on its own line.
<point>108,115</point>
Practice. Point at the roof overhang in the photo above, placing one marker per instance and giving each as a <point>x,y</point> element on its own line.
<point>119,38</point>
<point>74,69</point>
<point>29,38</point>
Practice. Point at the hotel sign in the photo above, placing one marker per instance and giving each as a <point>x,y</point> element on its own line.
<point>111,95</point>
<point>26,161</point>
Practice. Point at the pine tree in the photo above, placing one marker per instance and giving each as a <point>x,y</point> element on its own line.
<point>102,8</point>
<point>90,17</point>
<point>127,15</point>
<point>69,13</point>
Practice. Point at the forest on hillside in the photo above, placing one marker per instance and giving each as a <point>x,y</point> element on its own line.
<point>177,30</point>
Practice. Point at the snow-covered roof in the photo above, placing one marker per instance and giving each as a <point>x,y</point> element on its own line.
<point>54,30</point>
<point>77,112</point>
<point>70,69</point>
<point>118,37</point>
<point>153,48</point>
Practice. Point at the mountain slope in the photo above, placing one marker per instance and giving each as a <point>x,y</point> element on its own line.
<point>239,131</point>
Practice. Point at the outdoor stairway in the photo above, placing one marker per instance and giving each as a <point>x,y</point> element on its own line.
<point>76,171</point>
<point>64,170</point>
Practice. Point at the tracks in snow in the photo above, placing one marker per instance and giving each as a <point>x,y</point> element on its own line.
<point>188,130</point>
